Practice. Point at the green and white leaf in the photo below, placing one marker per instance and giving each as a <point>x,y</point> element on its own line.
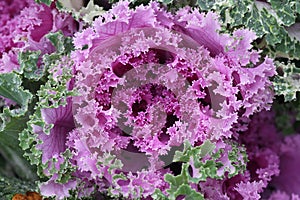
<point>206,164</point>
<point>288,83</point>
<point>29,65</point>
<point>86,14</point>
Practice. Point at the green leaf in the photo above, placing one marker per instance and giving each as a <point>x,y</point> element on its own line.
<point>166,1</point>
<point>11,151</point>
<point>158,195</point>
<point>206,148</point>
<point>286,10</point>
<point>205,161</point>
<point>10,186</point>
<point>9,136</point>
<point>47,2</point>
<point>29,65</point>
<point>17,163</point>
<point>179,185</point>
<point>10,87</point>
<point>189,193</point>
<point>288,83</point>
<point>62,43</point>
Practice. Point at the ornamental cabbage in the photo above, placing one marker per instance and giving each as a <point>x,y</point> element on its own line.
<point>160,100</point>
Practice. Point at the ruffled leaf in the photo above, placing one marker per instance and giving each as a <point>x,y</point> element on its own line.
<point>267,19</point>
<point>207,160</point>
<point>205,149</point>
<point>179,185</point>
<point>198,164</point>
<point>52,94</point>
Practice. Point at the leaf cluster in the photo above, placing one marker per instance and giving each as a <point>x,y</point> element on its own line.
<point>198,164</point>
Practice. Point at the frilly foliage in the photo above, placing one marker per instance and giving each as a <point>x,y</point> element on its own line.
<point>267,19</point>
<point>204,159</point>
<point>18,87</point>
<point>51,94</point>
<point>273,23</point>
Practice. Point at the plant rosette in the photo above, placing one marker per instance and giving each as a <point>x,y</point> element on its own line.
<point>159,99</point>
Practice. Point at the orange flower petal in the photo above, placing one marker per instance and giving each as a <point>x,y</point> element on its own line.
<point>19,197</point>
<point>33,196</point>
